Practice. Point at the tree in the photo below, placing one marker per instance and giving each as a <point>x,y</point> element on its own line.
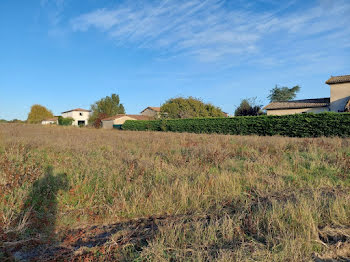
<point>283,93</point>
<point>189,108</point>
<point>248,107</point>
<point>108,106</point>
<point>38,113</point>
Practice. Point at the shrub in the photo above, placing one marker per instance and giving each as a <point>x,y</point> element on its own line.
<point>98,121</point>
<point>65,121</point>
<point>248,107</point>
<point>298,125</point>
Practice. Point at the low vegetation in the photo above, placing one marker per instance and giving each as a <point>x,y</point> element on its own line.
<point>298,125</point>
<point>77,193</point>
<point>65,121</point>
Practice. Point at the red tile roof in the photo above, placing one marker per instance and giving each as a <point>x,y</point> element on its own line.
<point>77,109</point>
<point>136,117</point>
<point>338,79</point>
<point>295,104</point>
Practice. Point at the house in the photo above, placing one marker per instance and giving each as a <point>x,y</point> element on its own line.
<point>118,120</point>
<point>337,102</point>
<point>80,116</point>
<point>151,111</point>
<point>50,121</point>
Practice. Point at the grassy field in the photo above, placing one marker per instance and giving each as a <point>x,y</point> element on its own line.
<point>147,196</point>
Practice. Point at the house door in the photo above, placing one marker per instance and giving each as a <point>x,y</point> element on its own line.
<point>81,122</point>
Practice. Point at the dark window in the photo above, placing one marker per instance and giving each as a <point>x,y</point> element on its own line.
<point>80,114</point>
<point>81,123</point>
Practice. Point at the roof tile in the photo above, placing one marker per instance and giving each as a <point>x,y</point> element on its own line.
<point>338,79</point>
<point>294,104</point>
<point>137,117</point>
<point>76,109</point>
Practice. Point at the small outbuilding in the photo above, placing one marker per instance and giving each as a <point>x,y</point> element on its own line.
<point>118,120</point>
<point>316,105</point>
<point>50,121</point>
<point>151,111</point>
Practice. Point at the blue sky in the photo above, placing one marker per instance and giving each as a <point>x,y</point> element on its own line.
<point>66,54</point>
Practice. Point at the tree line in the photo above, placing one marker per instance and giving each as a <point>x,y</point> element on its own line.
<point>173,108</point>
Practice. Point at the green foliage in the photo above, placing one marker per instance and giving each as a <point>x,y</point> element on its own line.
<point>283,93</point>
<point>38,113</point>
<point>65,121</point>
<point>189,108</point>
<point>298,125</point>
<point>248,107</point>
<point>108,106</point>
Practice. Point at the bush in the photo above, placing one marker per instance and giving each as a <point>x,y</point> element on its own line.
<point>298,125</point>
<point>65,121</point>
<point>248,107</point>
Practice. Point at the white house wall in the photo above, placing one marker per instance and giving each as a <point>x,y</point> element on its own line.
<point>77,117</point>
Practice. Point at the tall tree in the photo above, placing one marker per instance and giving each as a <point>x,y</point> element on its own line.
<point>283,93</point>
<point>108,106</point>
<point>248,107</point>
<point>38,113</point>
<point>190,107</point>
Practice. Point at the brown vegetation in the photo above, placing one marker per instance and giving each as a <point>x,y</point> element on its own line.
<point>75,193</point>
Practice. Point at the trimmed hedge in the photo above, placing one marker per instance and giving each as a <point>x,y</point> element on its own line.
<point>297,125</point>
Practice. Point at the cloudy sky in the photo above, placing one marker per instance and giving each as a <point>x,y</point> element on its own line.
<point>66,54</point>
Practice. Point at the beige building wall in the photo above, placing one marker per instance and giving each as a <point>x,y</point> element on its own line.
<point>150,112</point>
<point>281,112</point>
<point>77,116</point>
<point>108,124</point>
<point>340,95</point>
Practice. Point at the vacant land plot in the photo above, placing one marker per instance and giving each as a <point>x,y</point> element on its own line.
<point>74,194</point>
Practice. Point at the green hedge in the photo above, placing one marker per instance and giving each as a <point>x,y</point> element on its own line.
<point>65,121</point>
<point>298,125</point>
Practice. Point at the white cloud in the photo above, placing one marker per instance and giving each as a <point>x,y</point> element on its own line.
<point>210,31</point>
<point>54,10</point>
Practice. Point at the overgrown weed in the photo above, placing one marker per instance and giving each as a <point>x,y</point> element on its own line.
<point>241,198</point>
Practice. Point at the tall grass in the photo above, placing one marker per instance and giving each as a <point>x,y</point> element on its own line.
<point>227,197</point>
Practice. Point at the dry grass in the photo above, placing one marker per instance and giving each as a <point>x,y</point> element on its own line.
<point>225,197</point>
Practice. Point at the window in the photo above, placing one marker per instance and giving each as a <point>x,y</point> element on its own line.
<point>81,114</point>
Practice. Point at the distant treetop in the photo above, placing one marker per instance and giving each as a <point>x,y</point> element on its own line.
<point>283,93</point>
<point>190,107</point>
